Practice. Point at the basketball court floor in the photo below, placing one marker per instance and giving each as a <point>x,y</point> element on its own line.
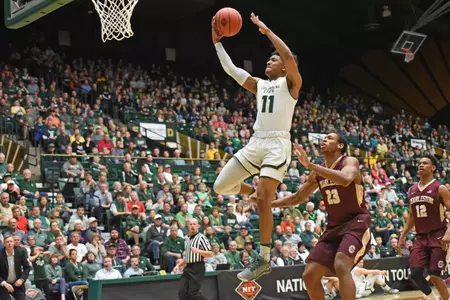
<point>412,295</point>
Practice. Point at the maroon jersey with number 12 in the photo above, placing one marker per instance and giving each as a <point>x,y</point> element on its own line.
<point>343,203</point>
<point>427,207</point>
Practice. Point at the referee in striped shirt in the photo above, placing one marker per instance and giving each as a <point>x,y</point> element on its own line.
<point>197,248</point>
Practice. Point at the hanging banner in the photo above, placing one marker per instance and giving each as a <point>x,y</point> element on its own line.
<point>287,283</point>
<point>159,131</point>
<point>421,144</point>
<point>315,137</point>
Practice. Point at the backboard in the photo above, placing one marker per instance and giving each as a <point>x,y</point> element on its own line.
<point>409,40</point>
<point>19,13</point>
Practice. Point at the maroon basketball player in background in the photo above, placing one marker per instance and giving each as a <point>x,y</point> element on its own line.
<point>426,200</point>
<point>347,235</point>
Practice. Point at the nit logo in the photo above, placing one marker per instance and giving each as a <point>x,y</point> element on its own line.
<point>248,290</point>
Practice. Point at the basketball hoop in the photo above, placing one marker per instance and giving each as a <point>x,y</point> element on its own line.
<point>409,56</point>
<point>115,16</point>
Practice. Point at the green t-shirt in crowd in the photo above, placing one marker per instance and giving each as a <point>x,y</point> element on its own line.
<point>173,245</point>
<point>39,267</point>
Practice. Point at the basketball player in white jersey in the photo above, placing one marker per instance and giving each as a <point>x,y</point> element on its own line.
<point>269,150</point>
<point>365,280</point>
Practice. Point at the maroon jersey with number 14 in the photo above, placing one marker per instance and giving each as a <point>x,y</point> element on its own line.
<point>343,203</point>
<point>427,207</point>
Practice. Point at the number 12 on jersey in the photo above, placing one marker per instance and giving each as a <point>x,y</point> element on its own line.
<point>421,211</point>
<point>266,98</point>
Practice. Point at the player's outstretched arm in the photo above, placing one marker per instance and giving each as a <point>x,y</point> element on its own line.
<point>406,229</point>
<point>240,75</point>
<point>301,196</point>
<point>343,177</point>
<point>293,75</point>
<point>444,193</point>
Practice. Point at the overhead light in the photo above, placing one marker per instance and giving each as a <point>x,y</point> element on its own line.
<point>386,12</point>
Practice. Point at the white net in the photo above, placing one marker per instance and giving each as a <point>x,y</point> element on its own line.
<point>115,16</point>
<point>409,56</point>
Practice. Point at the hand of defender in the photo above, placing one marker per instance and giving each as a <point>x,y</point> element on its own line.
<point>401,245</point>
<point>446,241</point>
<point>262,27</point>
<point>301,155</point>
<point>216,36</point>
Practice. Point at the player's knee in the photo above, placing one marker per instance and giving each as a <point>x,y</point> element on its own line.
<point>342,267</point>
<point>309,276</point>
<point>417,273</point>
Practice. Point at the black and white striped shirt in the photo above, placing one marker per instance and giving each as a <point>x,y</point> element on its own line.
<point>198,241</point>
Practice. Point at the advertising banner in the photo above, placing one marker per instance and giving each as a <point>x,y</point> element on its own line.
<point>421,144</point>
<point>315,137</point>
<point>159,131</point>
<point>155,290</point>
<point>287,283</point>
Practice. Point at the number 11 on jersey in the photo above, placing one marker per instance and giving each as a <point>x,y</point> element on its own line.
<point>266,98</point>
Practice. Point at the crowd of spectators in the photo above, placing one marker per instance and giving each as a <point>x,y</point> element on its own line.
<point>125,209</point>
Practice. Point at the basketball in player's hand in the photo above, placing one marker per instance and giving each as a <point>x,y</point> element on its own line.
<point>228,21</point>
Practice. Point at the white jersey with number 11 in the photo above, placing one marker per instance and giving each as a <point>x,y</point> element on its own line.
<point>275,106</point>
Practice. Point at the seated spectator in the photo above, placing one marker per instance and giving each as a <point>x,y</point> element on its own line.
<point>216,220</point>
<point>217,258</point>
<point>134,200</point>
<point>252,254</point>
<point>54,276</point>
<point>91,266</point>
<point>233,256</point>
<point>183,215</point>
<point>40,236</point>
<point>54,231</point>
<point>287,223</point>
<point>28,186</point>
<point>79,215</point>
<point>307,236</point>
<point>144,262</point>
<point>172,249</point>
<point>116,262</point>
<point>108,272</point>
<point>5,209</point>
<point>72,169</point>
<point>243,215</point>
<point>39,260</point>
<point>135,222</point>
<point>74,270</point>
<point>77,227</point>
<point>76,245</point>
<point>59,248</point>
<point>155,236</point>
<point>243,237</point>
<point>92,229</point>
<point>24,211</point>
<point>101,201</point>
<point>96,247</point>
<point>122,250</point>
<point>372,253</point>
<point>278,235</point>
<point>383,226</point>
<point>291,237</point>
<point>295,257</point>
<point>229,218</point>
<point>284,259</point>
<point>134,269</point>
<point>305,220</point>
<point>12,229</point>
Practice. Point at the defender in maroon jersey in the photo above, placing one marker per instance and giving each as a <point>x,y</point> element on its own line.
<point>426,200</point>
<point>347,235</point>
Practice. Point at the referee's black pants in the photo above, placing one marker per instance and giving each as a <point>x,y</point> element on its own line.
<point>191,281</point>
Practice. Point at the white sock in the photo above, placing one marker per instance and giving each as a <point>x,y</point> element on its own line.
<point>264,251</point>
